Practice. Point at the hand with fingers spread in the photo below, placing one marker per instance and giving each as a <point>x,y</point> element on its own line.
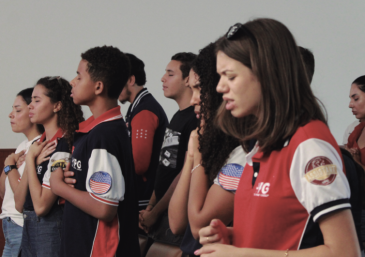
<point>13,158</point>
<point>46,151</point>
<point>35,149</point>
<point>216,232</point>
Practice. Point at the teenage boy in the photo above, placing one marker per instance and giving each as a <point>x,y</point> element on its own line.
<point>146,122</point>
<point>174,148</point>
<point>100,210</point>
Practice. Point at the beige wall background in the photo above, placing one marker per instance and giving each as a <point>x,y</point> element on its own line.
<point>45,38</point>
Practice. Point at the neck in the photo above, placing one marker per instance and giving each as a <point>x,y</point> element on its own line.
<point>102,105</point>
<point>134,93</point>
<point>184,99</point>
<point>50,128</point>
<point>32,132</point>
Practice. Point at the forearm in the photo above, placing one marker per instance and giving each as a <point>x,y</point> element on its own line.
<point>83,201</point>
<point>178,216</point>
<point>21,191</point>
<point>162,205</point>
<point>2,184</point>
<point>42,198</point>
<point>13,177</point>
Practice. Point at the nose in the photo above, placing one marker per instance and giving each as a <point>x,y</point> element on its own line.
<point>163,79</point>
<point>72,82</point>
<point>351,104</point>
<point>195,99</point>
<point>11,115</point>
<point>30,106</point>
<point>222,87</point>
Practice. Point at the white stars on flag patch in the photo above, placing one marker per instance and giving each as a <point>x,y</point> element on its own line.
<point>229,176</point>
<point>100,182</point>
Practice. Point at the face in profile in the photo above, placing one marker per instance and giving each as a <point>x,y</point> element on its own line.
<point>82,86</point>
<point>195,87</point>
<point>19,116</point>
<point>124,95</point>
<point>173,83</point>
<point>240,87</point>
<point>41,109</point>
<point>357,102</point>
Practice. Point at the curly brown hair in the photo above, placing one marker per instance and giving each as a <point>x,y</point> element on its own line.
<point>215,146</point>
<point>70,115</point>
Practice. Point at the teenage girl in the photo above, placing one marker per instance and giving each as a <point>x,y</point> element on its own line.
<point>293,196</point>
<point>52,107</point>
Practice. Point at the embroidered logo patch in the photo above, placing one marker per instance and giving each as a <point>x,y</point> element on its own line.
<point>320,171</point>
<point>100,182</point>
<point>58,164</point>
<point>229,176</point>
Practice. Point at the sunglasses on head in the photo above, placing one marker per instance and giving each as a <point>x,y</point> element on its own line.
<point>238,30</point>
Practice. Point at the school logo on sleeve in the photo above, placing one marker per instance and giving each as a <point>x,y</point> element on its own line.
<point>320,171</point>
<point>58,164</point>
<point>100,182</point>
<point>229,176</point>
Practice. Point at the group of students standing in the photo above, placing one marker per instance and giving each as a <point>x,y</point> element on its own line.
<point>246,167</point>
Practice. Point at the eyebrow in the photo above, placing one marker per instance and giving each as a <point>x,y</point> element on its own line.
<point>353,95</point>
<point>169,70</point>
<point>35,97</point>
<point>15,106</point>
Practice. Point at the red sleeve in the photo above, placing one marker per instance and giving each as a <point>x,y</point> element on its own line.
<point>144,125</point>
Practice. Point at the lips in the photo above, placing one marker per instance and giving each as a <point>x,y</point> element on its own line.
<point>31,114</point>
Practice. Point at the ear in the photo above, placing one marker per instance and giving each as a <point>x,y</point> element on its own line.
<point>186,81</point>
<point>57,107</point>
<point>131,81</point>
<point>99,88</point>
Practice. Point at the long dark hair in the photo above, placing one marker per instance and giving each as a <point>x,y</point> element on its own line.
<point>70,115</point>
<point>26,94</point>
<point>215,146</point>
<point>270,51</point>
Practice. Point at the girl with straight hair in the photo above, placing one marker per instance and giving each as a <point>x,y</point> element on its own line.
<point>293,196</point>
<point>14,168</point>
<point>53,107</point>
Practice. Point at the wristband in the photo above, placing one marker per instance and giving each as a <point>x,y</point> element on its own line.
<point>195,168</point>
<point>8,168</point>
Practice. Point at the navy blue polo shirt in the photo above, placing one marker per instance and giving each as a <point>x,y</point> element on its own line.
<point>103,166</point>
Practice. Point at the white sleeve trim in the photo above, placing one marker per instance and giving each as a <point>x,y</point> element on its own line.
<point>331,209</point>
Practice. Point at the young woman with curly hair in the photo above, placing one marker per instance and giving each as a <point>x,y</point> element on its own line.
<point>293,196</point>
<point>205,190</point>
<point>53,107</point>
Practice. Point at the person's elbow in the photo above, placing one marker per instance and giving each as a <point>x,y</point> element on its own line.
<point>19,207</point>
<point>177,228</point>
<point>107,213</point>
<point>41,210</point>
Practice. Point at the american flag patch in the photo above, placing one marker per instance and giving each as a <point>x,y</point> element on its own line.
<point>229,176</point>
<point>100,182</point>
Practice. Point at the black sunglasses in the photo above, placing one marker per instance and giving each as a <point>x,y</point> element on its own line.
<point>239,29</point>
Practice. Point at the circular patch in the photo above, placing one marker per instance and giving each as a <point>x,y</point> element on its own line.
<point>320,171</point>
<point>100,182</point>
<point>58,164</point>
<point>229,176</point>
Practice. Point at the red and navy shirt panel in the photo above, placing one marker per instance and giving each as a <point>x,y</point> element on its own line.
<point>103,166</point>
<point>58,158</point>
<point>146,121</point>
<point>294,187</point>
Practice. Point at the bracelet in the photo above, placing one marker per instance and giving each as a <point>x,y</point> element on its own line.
<point>286,253</point>
<point>195,168</point>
